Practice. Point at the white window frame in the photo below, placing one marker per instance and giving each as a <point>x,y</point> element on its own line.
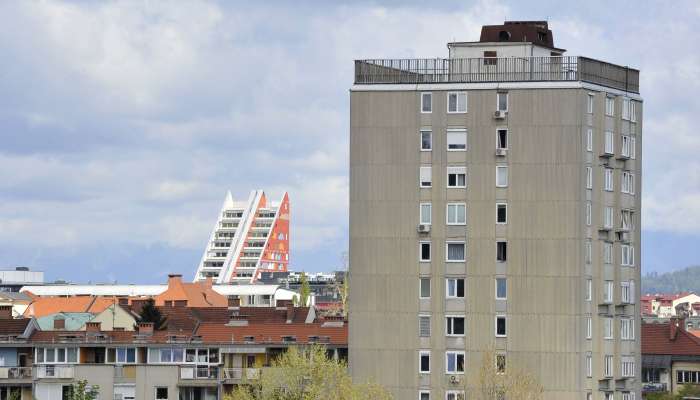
<point>455,280</point>
<point>608,328</point>
<point>589,213</point>
<point>422,102</point>
<point>501,168</point>
<point>422,353</point>
<point>495,325</point>
<point>609,177</point>
<point>610,106</point>
<point>626,142</point>
<point>627,257</point>
<point>422,317</point>
<point>626,328</point>
<point>461,131</point>
<point>504,279</point>
<point>627,366</point>
<point>609,143</point>
<point>589,103</point>
<point>589,140</point>
<point>608,289</point>
<point>422,218</point>
<point>498,138</point>
<point>627,182</point>
<point>458,109</point>
<point>456,353</point>
<point>627,219</point>
<point>456,207</point>
<point>589,289</point>
<point>422,392</point>
<point>589,327</point>
<point>608,366</point>
<point>608,218</point>
<point>589,366</point>
<point>449,325</point>
<point>498,103</point>
<point>455,395</point>
<point>607,252</point>
<point>589,177</point>
<point>430,135</point>
<point>457,171</point>
<point>633,147</point>
<point>420,251</point>
<point>633,111</point>
<point>420,287</point>
<point>447,243</point>
<point>588,248</point>
<point>505,205</point>
<point>626,108</point>
<point>625,292</point>
<point>425,169</point>
<point>155,392</point>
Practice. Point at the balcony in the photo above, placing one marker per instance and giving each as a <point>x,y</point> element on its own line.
<point>509,69</point>
<point>55,372</point>
<point>653,387</point>
<point>237,375</point>
<point>15,374</point>
<point>199,373</point>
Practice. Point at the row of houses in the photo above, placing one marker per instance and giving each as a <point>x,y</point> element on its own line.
<point>208,342</point>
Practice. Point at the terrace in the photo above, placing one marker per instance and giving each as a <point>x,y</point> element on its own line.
<point>503,69</point>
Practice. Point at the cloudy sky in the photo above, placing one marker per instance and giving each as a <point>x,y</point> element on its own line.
<point>122,124</point>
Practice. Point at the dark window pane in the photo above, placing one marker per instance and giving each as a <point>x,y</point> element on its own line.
<point>460,287</point>
<point>501,250</point>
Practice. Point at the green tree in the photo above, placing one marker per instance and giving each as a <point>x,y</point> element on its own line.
<point>304,292</point>
<point>498,380</point>
<point>15,394</point>
<point>307,374</point>
<point>81,391</point>
<point>149,313</point>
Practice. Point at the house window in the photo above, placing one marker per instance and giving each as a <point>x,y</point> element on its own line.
<point>633,147</point>
<point>426,102</point>
<point>609,143</point>
<point>627,366</point>
<point>501,288</point>
<point>455,251</point>
<point>426,140</point>
<point>607,252</point>
<point>426,177</point>
<point>609,396</point>
<point>424,395</point>
<point>500,363</point>
<point>608,180</point>
<point>589,139</point>
<point>425,213</point>
<point>424,325</point>
<point>501,176</point>
<point>610,106</point>
<point>161,393</point>
<point>501,213</point>
<point>589,251</point>
<point>455,288</point>
<point>627,329</point>
<point>589,213</point>
<point>424,250</point>
<point>424,288</point>
<point>608,217</point>
<point>454,395</point>
<point>626,108</point>
<point>608,328</point>
<point>455,362</point>
<point>456,214</point>
<point>608,291</point>
<point>490,58</point>
<point>501,251</point>
<point>627,182</point>
<point>502,139</point>
<point>589,327</point>
<point>456,102</point>
<point>627,255</point>
<point>125,355</point>
<point>608,366</point>
<point>625,292</point>
<point>456,177</point>
<point>633,111</point>
<point>626,141</point>
<point>589,103</point>
<point>502,101</point>
<point>455,325</point>
<point>424,361</point>
<point>589,366</point>
<point>628,396</point>
<point>589,178</point>
<point>627,220</point>
<point>456,140</point>
<point>500,326</point>
<point>589,289</point>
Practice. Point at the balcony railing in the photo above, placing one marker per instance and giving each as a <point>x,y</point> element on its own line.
<point>16,373</point>
<point>199,372</point>
<point>238,374</point>
<point>504,69</point>
<point>55,371</point>
<point>649,387</point>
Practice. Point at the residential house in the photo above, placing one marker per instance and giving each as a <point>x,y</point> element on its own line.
<point>16,356</point>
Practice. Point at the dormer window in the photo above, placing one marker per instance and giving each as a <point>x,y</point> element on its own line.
<point>490,58</point>
<point>503,36</point>
<point>542,36</point>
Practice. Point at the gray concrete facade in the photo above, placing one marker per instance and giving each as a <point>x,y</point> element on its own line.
<point>547,267</point>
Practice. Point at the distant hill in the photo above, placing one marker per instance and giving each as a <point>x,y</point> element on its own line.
<point>686,279</point>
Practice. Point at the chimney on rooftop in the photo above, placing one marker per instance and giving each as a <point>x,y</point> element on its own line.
<point>207,283</point>
<point>145,328</point>
<point>174,279</point>
<point>290,313</point>
<point>5,312</point>
<point>675,325</point>
<point>93,326</point>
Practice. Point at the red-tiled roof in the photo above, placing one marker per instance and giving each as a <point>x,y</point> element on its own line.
<point>12,327</point>
<point>273,333</point>
<point>656,339</point>
<point>43,306</point>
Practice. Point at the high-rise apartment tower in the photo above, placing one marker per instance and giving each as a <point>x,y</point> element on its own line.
<point>249,238</point>
<point>494,209</point>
